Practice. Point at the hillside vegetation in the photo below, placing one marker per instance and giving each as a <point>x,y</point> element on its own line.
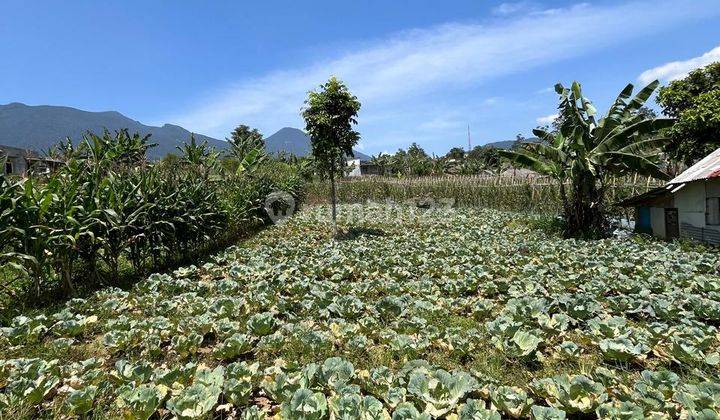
<point>412,314</point>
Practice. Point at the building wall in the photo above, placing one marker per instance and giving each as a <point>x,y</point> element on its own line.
<point>712,189</point>
<point>19,165</point>
<point>355,163</point>
<point>690,201</point>
<point>369,169</point>
<point>691,207</point>
<point>657,221</point>
<point>16,156</point>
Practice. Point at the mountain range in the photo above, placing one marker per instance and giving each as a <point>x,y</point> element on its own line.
<point>293,141</point>
<point>43,126</point>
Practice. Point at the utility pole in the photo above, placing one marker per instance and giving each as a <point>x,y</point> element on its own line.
<point>469,145</point>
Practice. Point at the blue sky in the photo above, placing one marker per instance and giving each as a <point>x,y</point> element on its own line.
<point>423,70</point>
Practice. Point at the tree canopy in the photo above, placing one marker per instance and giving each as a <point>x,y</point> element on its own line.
<point>330,115</point>
<point>586,151</point>
<point>695,102</point>
<point>243,140</point>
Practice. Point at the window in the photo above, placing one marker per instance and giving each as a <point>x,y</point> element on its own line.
<point>8,168</point>
<point>712,211</point>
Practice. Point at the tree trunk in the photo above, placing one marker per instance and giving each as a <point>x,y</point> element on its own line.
<point>563,197</point>
<point>333,199</point>
<point>586,215</point>
<point>67,278</point>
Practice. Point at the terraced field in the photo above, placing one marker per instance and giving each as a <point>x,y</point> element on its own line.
<point>460,313</point>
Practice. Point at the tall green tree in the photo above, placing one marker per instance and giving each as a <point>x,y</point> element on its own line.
<point>456,153</point>
<point>484,157</point>
<point>330,115</point>
<point>419,162</point>
<point>695,102</point>
<point>586,152</point>
<point>243,140</point>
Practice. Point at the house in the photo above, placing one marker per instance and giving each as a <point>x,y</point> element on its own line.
<point>687,207</point>
<point>518,173</point>
<point>21,162</point>
<point>362,167</point>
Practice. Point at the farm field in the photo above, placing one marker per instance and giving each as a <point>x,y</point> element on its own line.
<point>456,313</point>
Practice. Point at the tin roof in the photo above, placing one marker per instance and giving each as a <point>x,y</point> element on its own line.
<point>708,167</point>
<point>652,195</point>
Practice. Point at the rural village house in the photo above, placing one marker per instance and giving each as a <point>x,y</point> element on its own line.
<point>20,162</point>
<point>687,207</point>
<point>362,167</point>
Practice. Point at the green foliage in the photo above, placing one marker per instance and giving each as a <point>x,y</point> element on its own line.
<point>245,140</point>
<point>695,102</point>
<point>465,313</point>
<point>330,115</point>
<point>513,401</point>
<point>81,401</point>
<point>234,346</point>
<point>415,162</point>
<point>571,394</point>
<point>108,207</point>
<point>537,196</point>
<point>200,398</point>
<point>305,405</point>
<point>140,403</point>
<point>262,323</point>
<point>440,391</point>
<point>239,382</point>
<point>455,153</point>
<point>587,152</point>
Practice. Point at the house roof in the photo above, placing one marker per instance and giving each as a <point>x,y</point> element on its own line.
<point>647,197</point>
<point>708,167</point>
<point>15,151</point>
<point>518,172</point>
<point>27,154</point>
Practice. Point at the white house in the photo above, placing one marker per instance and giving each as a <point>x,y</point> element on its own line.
<point>21,162</point>
<point>361,167</point>
<point>687,207</point>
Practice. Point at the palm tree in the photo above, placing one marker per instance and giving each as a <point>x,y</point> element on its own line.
<point>586,153</point>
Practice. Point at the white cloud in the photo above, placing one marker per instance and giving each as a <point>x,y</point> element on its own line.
<point>678,69</point>
<point>416,75</point>
<point>511,8</point>
<point>548,119</point>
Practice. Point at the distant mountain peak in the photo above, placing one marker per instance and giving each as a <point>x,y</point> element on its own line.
<point>43,126</point>
<point>291,140</point>
<point>39,127</point>
<point>15,105</point>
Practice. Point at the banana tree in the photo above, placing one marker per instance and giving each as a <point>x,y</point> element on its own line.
<point>586,152</point>
<point>381,161</point>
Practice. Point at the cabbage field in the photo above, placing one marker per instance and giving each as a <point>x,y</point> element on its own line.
<point>459,313</point>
